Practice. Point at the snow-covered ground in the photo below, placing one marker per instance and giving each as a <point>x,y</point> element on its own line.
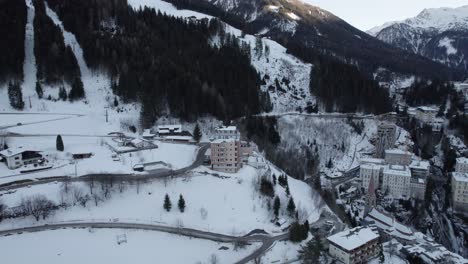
<point>77,246</point>
<point>230,205</point>
<point>329,136</point>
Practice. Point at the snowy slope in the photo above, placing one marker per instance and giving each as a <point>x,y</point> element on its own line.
<point>277,65</point>
<point>29,68</point>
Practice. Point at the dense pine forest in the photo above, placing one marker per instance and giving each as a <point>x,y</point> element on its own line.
<point>13,18</point>
<point>55,61</point>
<point>342,87</point>
<point>166,63</point>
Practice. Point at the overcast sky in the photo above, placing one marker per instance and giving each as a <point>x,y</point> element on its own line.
<point>365,14</point>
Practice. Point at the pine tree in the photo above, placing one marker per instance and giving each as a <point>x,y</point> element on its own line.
<point>63,94</point>
<point>197,133</point>
<point>59,143</point>
<point>276,206</point>
<point>381,255</point>
<point>77,90</point>
<point>274,179</point>
<point>330,163</point>
<point>116,102</point>
<point>39,90</point>
<point>310,253</point>
<point>15,95</point>
<point>287,191</point>
<point>167,203</point>
<point>291,207</point>
<point>181,203</point>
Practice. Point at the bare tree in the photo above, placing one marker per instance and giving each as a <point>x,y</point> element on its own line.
<point>203,213</point>
<point>84,199</point>
<point>96,198</point>
<point>3,208</point>
<point>66,184</point>
<point>77,195</point>
<point>121,186</point>
<point>91,183</point>
<point>37,205</point>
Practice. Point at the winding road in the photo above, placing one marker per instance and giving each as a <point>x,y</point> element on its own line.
<point>266,240</point>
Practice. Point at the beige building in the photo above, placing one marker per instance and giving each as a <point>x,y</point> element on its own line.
<point>386,138</point>
<point>228,155</point>
<point>460,191</point>
<point>398,157</point>
<point>225,155</point>
<point>396,181</point>
<point>357,245</point>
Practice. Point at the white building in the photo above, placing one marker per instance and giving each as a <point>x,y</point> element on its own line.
<point>370,171</point>
<point>17,157</point>
<point>398,157</point>
<point>396,181</point>
<point>461,165</point>
<point>227,132</point>
<point>357,245</point>
<point>420,168</point>
<point>460,191</point>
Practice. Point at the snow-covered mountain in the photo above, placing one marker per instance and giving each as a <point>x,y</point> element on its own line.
<point>299,25</point>
<point>440,34</point>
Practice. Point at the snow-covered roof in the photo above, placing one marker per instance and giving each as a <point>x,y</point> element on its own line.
<point>226,128</point>
<point>15,151</point>
<point>397,170</point>
<point>372,161</point>
<point>389,225</point>
<point>179,137</point>
<point>427,109</point>
<point>460,177</point>
<point>167,128</point>
<point>434,252</point>
<point>137,141</point>
<point>397,151</point>
<point>370,166</point>
<point>222,140</point>
<point>420,164</point>
<point>462,160</point>
<point>353,238</point>
<point>147,133</point>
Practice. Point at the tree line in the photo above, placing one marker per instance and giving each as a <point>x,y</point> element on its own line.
<point>13,19</point>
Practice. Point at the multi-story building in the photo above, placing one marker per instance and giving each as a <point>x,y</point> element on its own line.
<point>227,132</point>
<point>461,165</point>
<point>228,153</point>
<point>460,191</point>
<point>419,168</point>
<point>225,155</point>
<point>396,181</point>
<point>398,157</point>
<point>370,171</point>
<point>357,245</point>
<point>426,114</point>
<point>417,188</point>
<point>386,138</point>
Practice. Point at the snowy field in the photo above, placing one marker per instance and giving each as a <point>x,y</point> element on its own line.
<point>223,205</point>
<point>77,246</point>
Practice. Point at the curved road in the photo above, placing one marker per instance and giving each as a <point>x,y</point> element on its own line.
<point>155,175</point>
<point>266,240</point>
